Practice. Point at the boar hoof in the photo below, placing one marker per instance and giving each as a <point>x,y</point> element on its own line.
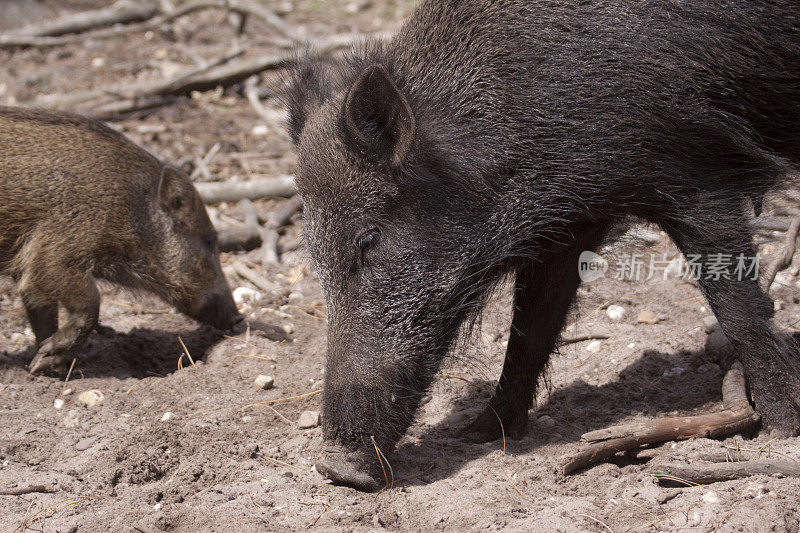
<point>487,428</point>
<point>345,473</point>
<point>46,361</point>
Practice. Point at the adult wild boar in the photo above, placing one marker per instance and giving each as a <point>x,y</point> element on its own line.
<point>495,137</point>
<point>80,202</point>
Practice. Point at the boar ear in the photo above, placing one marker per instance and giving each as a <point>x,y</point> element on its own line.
<point>378,118</point>
<point>307,90</point>
<point>174,190</point>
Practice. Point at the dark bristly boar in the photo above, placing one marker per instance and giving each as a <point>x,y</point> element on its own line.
<point>496,137</point>
<point>80,202</point>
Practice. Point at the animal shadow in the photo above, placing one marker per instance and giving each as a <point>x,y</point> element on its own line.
<point>642,388</point>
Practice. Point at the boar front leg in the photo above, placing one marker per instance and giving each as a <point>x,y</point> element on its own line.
<point>42,315</point>
<point>77,292</point>
<point>542,297</point>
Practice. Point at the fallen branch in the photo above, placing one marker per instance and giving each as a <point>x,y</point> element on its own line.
<point>49,34</point>
<point>239,238</point>
<point>28,490</point>
<point>212,193</point>
<point>784,258</point>
<point>770,224</point>
<point>120,12</point>
<point>269,233</point>
<point>252,276</point>
<point>715,472</point>
<point>737,416</point>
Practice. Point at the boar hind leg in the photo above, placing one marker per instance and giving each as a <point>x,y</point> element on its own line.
<point>744,311</point>
<point>77,292</point>
<point>542,297</point>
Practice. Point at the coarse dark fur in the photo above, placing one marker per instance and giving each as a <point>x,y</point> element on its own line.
<point>80,202</point>
<point>495,137</point>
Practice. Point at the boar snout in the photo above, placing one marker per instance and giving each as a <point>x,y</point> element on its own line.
<point>365,410</point>
<point>351,469</point>
<point>217,308</point>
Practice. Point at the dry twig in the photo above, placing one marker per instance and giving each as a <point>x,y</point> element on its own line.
<point>30,489</point>
<point>727,471</point>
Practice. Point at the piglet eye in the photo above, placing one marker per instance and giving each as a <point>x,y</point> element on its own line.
<point>368,239</point>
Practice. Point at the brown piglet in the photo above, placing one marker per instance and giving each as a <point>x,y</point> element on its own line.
<point>80,202</point>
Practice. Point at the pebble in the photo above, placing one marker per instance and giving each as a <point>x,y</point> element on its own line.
<point>719,349</point>
<point>67,392</point>
<point>676,371</point>
<point>264,382</point>
<point>58,403</point>
<point>166,416</point>
<point>594,346</point>
<point>245,294</point>
<point>259,130</point>
<point>647,317</point>
<point>90,398</point>
<point>85,444</point>
<point>711,497</point>
<point>308,420</point>
<point>710,324</point>
<point>615,312</point>
<point>546,420</point>
<point>288,328</point>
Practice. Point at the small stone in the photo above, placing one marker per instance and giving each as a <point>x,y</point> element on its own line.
<point>245,294</point>
<point>719,349</point>
<point>90,398</point>
<point>594,346</point>
<point>264,382</point>
<point>711,497</point>
<point>166,416</point>
<point>288,328</point>
<point>777,305</point>
<point>710,324</point>
<point>308,420</point>
<point>259,130</point>
<point>676,371</point>
<point>546,420</point>
<point>647,317</point>
<point>615,312</point>
<point>295,297</point>
<point>58,403</point>
<point>67,392</point>
<point>98,62</point>
<point>85,444</point>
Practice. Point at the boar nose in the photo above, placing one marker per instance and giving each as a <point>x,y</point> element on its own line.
<point>220,311</point>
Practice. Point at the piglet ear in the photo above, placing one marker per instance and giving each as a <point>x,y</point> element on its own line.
<point>174,190</point>
<point>378,119</point>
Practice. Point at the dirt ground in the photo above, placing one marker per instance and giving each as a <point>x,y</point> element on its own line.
<point>176,446</point>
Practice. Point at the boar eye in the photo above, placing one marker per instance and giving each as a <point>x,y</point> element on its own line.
<point>367,240</point>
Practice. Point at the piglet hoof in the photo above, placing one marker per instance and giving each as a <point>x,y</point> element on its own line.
<point>487,427</point>
<point>46,361</point>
